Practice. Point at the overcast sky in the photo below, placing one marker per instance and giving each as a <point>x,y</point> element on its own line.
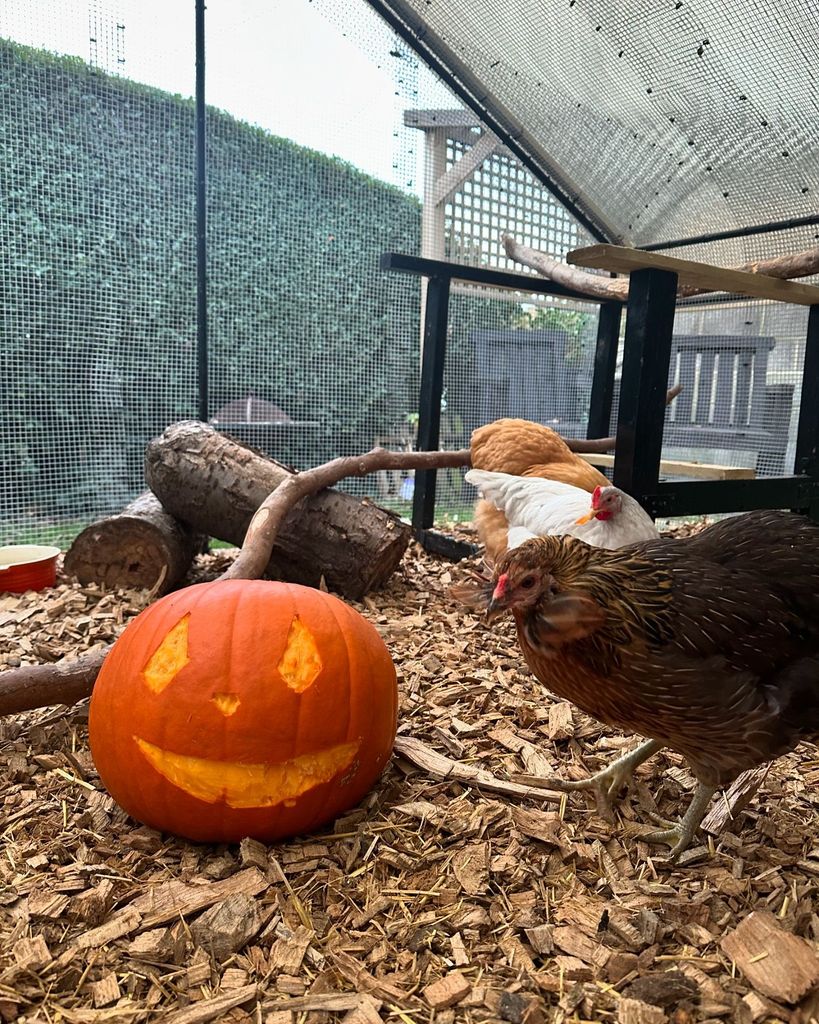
<point>282,64</point>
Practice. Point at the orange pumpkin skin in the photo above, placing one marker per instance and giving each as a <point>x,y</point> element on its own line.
<point>243,708</point>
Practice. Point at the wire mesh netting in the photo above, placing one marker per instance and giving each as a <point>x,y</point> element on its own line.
<point>329,143</point>
<point>664,119</point>
<point>313,351</point>
<point>97,257</point>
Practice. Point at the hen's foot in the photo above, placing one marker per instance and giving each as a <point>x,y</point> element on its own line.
<point>606,784</point>
<point>679,836</point>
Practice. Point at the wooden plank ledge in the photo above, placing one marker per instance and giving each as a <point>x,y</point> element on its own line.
<point>622,260</point>
<point>671,467</point>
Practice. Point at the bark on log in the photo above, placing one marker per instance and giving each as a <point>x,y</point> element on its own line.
<point>793,265</point>
<point>215,484</point>
<point>141,547</point>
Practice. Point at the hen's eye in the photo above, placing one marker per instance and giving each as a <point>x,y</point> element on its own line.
<point>527,582</point>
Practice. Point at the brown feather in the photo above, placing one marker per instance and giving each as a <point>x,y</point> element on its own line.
<point>522,448</point>
<point>709,644</point>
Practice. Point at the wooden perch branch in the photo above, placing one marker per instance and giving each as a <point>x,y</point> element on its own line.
<point>37,686</point>
<point>264,525</point>
<point>72,679</point>
<point>607,289</point>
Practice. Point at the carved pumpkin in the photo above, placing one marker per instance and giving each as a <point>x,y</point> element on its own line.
<point>243,708</point>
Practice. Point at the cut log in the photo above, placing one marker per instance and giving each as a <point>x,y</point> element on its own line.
<point>142,547</point>
<point>214,484</point>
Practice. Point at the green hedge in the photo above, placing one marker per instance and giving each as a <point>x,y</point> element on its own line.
<point>97,330</point>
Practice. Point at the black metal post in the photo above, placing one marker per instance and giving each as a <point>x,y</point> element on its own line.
<point>429,399</point>
<point>769,227</point>
<point>699,497</point>
<point>646,357</point>
<point>807,434</point>
<point>201,221</point>
<point>605,361</point>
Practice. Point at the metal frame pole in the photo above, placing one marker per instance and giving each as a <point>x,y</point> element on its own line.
<point>201,221</point>
<point>646,357</point>
<point>605,362</point>
<point>429,398</point>
<point>807,433</point>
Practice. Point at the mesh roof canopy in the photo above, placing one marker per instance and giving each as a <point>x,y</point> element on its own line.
<point>656,119</point>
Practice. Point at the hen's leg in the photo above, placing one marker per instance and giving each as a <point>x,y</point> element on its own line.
<point>679,836</point>
<point>607,783</point>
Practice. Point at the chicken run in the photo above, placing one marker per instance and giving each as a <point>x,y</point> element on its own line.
<point>456,891</point>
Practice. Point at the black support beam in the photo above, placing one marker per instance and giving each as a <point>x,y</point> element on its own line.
<point>429,399</point>
<point>605,361</point>
<point>201,221</point>
<point>647,353</point>
<point>701,497</point>
<point>807,437</point>
<point>526,283</point>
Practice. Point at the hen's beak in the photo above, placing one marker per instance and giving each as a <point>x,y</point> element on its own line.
<point>591,514</point>
<point>498,601</point>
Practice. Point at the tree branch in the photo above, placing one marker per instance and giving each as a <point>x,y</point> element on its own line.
<point>797,264</point>
<point>264,525</point>
<point>37,686</point>
<point>72,679</point>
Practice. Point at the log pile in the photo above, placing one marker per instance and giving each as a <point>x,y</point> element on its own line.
<point>211,482</point>
<point>292,526</point>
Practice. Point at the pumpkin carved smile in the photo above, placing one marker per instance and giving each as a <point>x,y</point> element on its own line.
<point>248,785</point>
<point>243,708</point>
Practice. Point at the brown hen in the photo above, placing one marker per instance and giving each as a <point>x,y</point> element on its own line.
<point>708,644</point>
<point>522,448</point>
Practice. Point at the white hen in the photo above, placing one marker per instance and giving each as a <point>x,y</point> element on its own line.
<point>606,518</point>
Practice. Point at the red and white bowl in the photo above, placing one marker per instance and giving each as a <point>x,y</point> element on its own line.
<point>27,567</point>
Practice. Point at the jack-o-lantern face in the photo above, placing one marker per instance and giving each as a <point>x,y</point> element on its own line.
<point>243,708</point>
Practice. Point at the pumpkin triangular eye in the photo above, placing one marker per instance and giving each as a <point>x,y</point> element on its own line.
<point>301,663</point>
<point>169,658</point>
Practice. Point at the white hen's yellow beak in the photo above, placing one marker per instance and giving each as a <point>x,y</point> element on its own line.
<point>591,514</point>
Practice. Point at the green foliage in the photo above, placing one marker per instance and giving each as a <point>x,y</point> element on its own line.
<point>576,324</point>
<point>98,327</point>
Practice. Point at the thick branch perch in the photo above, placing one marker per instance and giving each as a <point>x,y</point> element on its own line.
<point>216,484</point>
<point>265,524</point>
<point>72,679</point>
<point>798,264</point>
<point>600,445</point>
<point>37,686</point>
